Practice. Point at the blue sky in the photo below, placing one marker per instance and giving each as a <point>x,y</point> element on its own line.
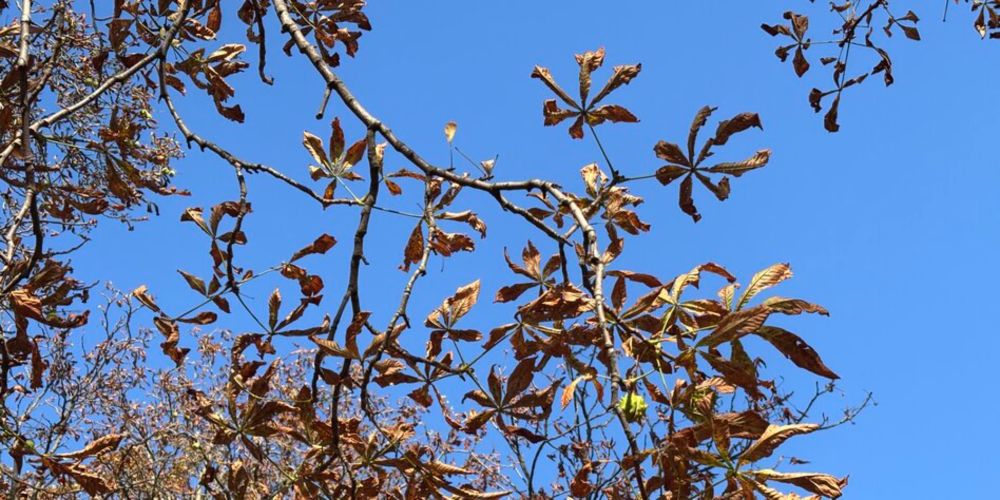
<point>890,223</point>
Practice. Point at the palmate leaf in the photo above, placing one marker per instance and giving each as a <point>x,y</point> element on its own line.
<point>685,166</point>
<point>454,307</point>
<point>336,166</point>
<point>856,26</point>
<point>587,112</point>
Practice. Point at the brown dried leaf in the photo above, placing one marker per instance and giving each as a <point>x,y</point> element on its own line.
<point>736,325</point>
<point>142,295</point>
<point>820,484</point>
<point>562,301</point>
<point>830,119</point>
<point>589,62</point>
<point>670,152</point>
<point>513,292</point>
<point>612,113</point>
<point>622,76</point>
<point>321,245</point>
<point>772,438</point>
<point>796,349</point>
<point>735,125</point>
<point>273,305</point>
<point>799,62</point>
<point>793,306</point>
<point>699,121</point>
<point>454,307</point>
<point>545,76</point>
<point>686,200</point>
<point>763,280</point>
<point>738,168</point>
<point>314,145</point>
<point>520,379</point>
<point>202,318</point>
<point>414,250</point>
<point>94,447</point>
<point>197,284</point>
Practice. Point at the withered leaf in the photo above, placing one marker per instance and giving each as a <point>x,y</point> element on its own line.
<point>196,283</point>
<point>169,329</point>
<point>320,246</point>
<point>820,484</point>
<point>735,125</point>
<point>142,295</point>
<point>477,420</point>
<point>670,152</point>
<point>414,250</point>
<point>562,301</point>
<point>793,306</point>
<point>735,325</point>
<point>273,305</point>
<point>422,396</point>
<point>586,113</point>
<point>94,447</point>
<point>796,349</point>
<point>623,74</point>
<point>38,366</point>
<point>449,131</point>
<point>589,62</point>
<point>512,292</point>
<point>454,307</point>
<point>519,379</point>
<point>687,200</point>
<point>447,469</point>
<point>331,348</point>
<point>735,374</point>
<point>314,145</point>
<point>799,62</point>
<point>830,120</point>
<point>581,487</point>
<point>738,168</point>
<point>763,280</point>
<point>772,438</point>
<point>202,318</point>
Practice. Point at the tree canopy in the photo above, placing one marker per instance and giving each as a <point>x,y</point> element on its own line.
<point>602,381</point>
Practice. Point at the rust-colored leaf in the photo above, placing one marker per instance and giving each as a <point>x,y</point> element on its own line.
<point>799,62</point>
<point>671,152</point>
<point>772,438</point>
<point>202,318</point>
<point>196,283</point>
<point>320,246</point>
<point>763,280</point>
<point>735,125</point>
<point>738,168</point>
<point>414,250</point>
<point>545,76</point>
<point>454,307</point>
<point>273,305</point>
<point>622,75</point>
<point>796,349</point>
<point>686,200</point>
<point>142,295</point>
<point>589,62</point>
<point>793,306</point>
<point>110,441</point>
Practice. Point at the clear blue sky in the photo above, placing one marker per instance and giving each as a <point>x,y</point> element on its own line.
<point>891,223</point>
